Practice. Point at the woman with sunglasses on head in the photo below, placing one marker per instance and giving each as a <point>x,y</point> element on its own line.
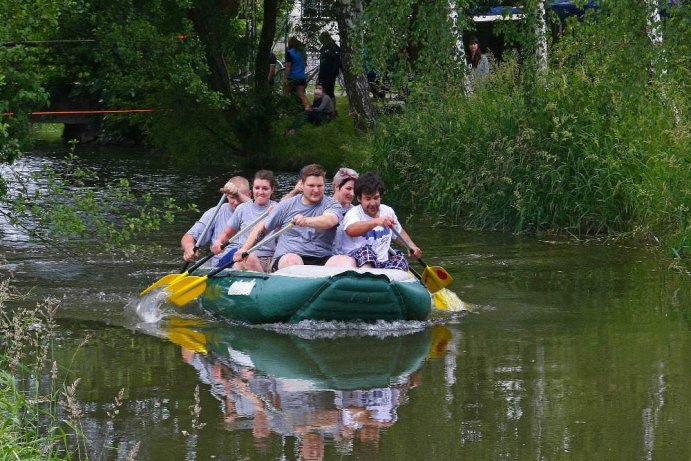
<point>343,185</point>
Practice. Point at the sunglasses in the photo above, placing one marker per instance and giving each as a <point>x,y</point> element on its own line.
<point>345,177</point>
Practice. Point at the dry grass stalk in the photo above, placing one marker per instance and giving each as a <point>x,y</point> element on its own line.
<point>196,410</point>
<point>72,404</point>
<point>117,404</point>
<point>132,455</point>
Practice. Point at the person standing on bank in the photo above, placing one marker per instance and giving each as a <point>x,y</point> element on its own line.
<point>329,65</point>
<point>368,227</point>
<point>296,80</point>
<point>476,60</point>
<point>314,218</point>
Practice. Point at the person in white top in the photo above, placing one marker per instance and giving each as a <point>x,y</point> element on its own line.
<point>367,227</point>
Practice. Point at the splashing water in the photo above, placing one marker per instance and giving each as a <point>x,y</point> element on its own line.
<point>148,308</point>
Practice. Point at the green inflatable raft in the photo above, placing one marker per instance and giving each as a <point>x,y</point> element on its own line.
<point>299,293</point>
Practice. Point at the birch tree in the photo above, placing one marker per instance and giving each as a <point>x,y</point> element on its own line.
<point>540,37</point>
<point>459,47</point>
<point>658,64</point>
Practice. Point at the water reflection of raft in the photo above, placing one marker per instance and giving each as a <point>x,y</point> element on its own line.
<point>316,293</point>
<point>342,363</point>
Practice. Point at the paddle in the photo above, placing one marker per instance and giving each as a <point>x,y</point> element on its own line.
<point>434,277</point>
<point>170,279</point>
<point>228,257</point>
<point>191,287</point>
<point>443,299</point>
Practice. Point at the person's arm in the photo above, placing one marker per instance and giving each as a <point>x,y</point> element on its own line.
<point>232,190</point>
<point>414,249</point>
<point>323,222</point>
<point>359,228</point>
<point>296,190</point>
<point>251,240</point>
<point>223,238</point>
<point>188,252</point>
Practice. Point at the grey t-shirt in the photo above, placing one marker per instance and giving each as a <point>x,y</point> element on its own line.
<point>303,240</point>
<point>340,234</point>
<point>215,231</point>
<point>217,227</point>
<point>244,215</point>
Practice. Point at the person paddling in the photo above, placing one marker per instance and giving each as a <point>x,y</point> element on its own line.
<point>314,218</point>
<point>263,187</point>
<point>237,191</point>
<point>368,229</point>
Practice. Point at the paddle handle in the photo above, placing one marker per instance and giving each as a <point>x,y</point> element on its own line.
<point>245,254</point>
<point>412,271</point>
<point>201,237</point>
<point>266,239</point>
<point>213,218</point>
<point>405,244</point>
<point>231,240</point>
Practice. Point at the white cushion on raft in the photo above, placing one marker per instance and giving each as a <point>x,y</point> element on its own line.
<point>328,271</point>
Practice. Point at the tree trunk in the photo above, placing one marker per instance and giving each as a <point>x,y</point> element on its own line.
<point>541,38</point>
<point>356,84</point>
<point>459,48</point>
<point>659,62</point>
<point>202,15</point>
<point>266,41</point>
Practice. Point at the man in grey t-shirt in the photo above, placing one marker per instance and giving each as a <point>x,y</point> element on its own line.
<point>315,218</point>
<point>237,190</point>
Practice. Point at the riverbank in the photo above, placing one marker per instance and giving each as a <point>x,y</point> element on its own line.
<point>556,159</point>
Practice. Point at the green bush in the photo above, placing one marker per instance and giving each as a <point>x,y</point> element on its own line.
<point>578,154</point>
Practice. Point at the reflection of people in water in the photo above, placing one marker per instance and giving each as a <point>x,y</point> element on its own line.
<point>287,408</point>
<point>311,406</point>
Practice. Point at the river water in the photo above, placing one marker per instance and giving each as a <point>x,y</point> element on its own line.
<point>568,350</point>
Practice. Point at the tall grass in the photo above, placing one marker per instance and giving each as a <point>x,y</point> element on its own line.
<point>40,415</point>
<point>31,427</point>
<point>594,147</point>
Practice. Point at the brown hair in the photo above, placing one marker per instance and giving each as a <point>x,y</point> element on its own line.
<point>312,169</point>
<point>266,175</point>
<point>369,183</point>
<point>474,58</point>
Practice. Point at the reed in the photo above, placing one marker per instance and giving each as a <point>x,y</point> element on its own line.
<point>595,146</point>
<point>41,416</point>
<point>31,428</point>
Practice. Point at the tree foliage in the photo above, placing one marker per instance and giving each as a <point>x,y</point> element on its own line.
<point>599,145</point>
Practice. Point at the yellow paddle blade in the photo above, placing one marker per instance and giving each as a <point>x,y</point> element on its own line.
<point>176,283</point>
<point>165,280</point>
<point>447,300</point>
<point>189,339</point>
<point>441,337</point>
<point>435,278</point>
<point>187,290</point>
